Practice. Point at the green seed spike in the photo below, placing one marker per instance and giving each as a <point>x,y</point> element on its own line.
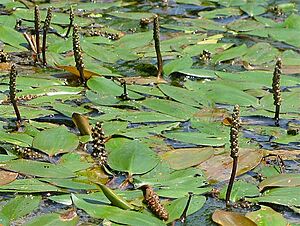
<point>156,34</point>
<point>37,25</point>
<point>78,53</point>
<point>99,152</point>
<point>276,89</point>
<point>71,22</point>
<point>45,31</point>
<point>234,146</point>
<point>12,92</point>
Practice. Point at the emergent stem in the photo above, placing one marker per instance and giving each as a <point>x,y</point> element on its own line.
<point>156,34</point>
<point>231,180</point>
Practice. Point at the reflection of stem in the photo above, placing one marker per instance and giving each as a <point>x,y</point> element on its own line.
<point>45,31</point>
<point>157,47</point>
<point>37,30</point>
<point>184,213</point>
<point>71,22</point>
<point>231,180</point>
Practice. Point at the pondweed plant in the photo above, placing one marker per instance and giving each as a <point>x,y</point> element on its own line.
<point>153,202</point>
<point>99,153</point>
<point>45,31</point>
<point>234,146</point>
<point>37,26</point>
<point>78,53</point>
<point>12,93</point>
<point>276,89</point>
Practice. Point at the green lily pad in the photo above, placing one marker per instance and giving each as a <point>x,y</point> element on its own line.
<point>196,138</point>
<point>281,180</point>
<point>28,186</point>
<point>20,206</point>
<point>39,169</point>
<point>55,140</point>
<point>116,214</point>
<point>267,216</point>
<point>130,156</point>
<point>53,219</point>
<point>240,190</point>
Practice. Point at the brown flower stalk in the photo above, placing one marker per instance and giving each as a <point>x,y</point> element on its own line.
<point>37,25</point>
<point>71,22</point>
<point>124,95</point>
<point>12,92</point>
<point>45,31</point>
<point>234,146</point>
<point>99,140</point>
<point>78,53</point>
<point>153,202</point>
<point>156,34</point>
<point>276,89</point>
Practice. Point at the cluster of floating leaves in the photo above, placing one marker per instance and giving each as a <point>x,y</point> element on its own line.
<point>168,135</point>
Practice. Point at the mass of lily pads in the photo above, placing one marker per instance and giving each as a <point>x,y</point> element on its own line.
<point>170,134</point>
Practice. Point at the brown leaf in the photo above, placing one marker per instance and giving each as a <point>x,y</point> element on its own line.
<point>225,218</point>
<point>68,215</point>
<point>143,80</point>
<point>186,157</point>
<point>5,66</point>
<point>73,70</point>
<point>218,168</point>
<point>7,177</point>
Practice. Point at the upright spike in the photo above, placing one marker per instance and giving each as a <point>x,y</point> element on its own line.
<point>153,202</point>
<point>276,89</point>
<point>99,152</point>
<point>234,146</point>
<point>12,92</point>
<point>71,22</point>
<point>45,31</point>
<point>78,53</point>
<point>37,26</point>
<point>156,38</point>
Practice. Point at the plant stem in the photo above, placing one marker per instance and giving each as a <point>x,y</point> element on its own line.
<point>45,31</point>
<point>12,93</point>
<point>71,22</point>
<point>231,180</point>
<point>37,31</point>
<point>184,213</point>
<point>156,34</point>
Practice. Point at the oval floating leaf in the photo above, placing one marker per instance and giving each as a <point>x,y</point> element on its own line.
<point>55,140</point>
<point>130,156</point>
<point>187,157</point>
<point>281,180</point>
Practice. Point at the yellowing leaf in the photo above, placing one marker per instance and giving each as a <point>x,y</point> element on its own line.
<point>74,71</point>
<point>225,218</point>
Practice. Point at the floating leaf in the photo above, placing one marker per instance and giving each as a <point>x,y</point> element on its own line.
<point>240,190</point>
<point>52,219</point>
<point>7,177</point>
<point>127,155</point>
<point>82,124</point>
<point>28,186</point>
<point>226,218</point>
<point>267,216</point>
<point>55,140</point>
<point>34,168</point>
<point>176,207</point>
<point>116,214</point>
<point>218,168</point>
<point>196,138</point>
<point>281,180</point>
<point>187,157</point>
<point>20,206</point>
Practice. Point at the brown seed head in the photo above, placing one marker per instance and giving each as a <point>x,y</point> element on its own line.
<point>234,131</point>
<point>276,82</point>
